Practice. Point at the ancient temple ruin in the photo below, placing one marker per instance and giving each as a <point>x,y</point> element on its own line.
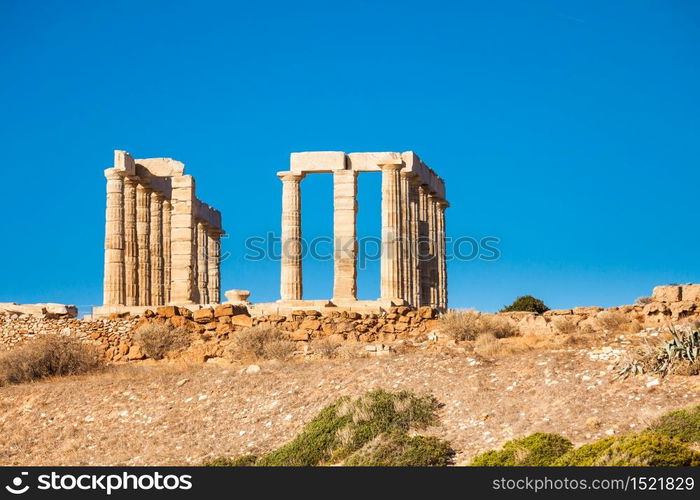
<point>162,244</point>
<point>413,257</point>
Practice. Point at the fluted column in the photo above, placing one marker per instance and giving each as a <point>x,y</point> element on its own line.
<point>143,230</point>
<point>423,245</point>
<point>114,240</point>
<point>432,236</point>
<point>202,263</point>
<point>345,235</point>
<point>291,277</point>
<point>214,265</point>
<point>131,275</point>
<point>406,253</point>
<point>442,254</point>
<point>156,246</point>
<point>391,232</point>
<point>414,239</point>
<point>166,250</point>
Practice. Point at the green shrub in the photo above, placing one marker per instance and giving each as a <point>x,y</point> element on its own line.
<point>347,425</point>
<point>244,461</point>
<point>645,449</point>
<point>683,425</point>
<point>538,449</point>
<point>526,303</point>
<point>47,356</point>
<point>398,449</point>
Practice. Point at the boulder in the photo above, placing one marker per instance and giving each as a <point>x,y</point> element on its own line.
<point>241,320</point>
<point>167,311</point>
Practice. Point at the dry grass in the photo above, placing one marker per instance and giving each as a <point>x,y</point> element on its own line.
<point>142,413</point>
<point>611,321</point>
<point>158,340</point>
<point>47,356</point>
<point>326,348</point>
<point>468,325</point>
<point>260,343</point>
<point>564,326</point>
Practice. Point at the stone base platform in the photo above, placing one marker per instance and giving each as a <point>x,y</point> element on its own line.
<point>106,311</point>
<point>285,307</point>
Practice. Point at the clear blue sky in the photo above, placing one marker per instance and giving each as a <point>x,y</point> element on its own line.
<point>568,129</point>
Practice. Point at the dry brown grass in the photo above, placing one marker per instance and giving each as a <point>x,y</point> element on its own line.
<point>158,340</point>
<point>260,343</point>
<point>47,356</point>
<point>612,321</point>
<point>468,325</point>
<point>564,326</point>
<point>326,348</point>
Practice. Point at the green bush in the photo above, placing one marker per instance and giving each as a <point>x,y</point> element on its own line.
<point>645,449</point>
<point>347,425</point>
<point>683,425</point>
<point>244,461</point>
<point>538,449</point>
<point>526,303</point>
<point>398,449</point>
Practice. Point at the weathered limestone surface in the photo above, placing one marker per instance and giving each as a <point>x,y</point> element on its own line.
<point>391,276</point>
<point>290,282</point>
<point>151,229</point>
<point>345,235</point>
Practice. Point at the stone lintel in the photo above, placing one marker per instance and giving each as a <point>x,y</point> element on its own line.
<point>317,161</point>
<point>124,163</point>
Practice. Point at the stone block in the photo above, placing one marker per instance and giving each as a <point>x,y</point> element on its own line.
<point>691,293</point>
<point>167,311</point>
<point>667,293</point>
<point>242,320</point>
<point>203,315</point>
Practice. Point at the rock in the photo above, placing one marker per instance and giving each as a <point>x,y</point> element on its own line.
<point>148,313</point>
<point>667,293</point>
<point>690,293</point>
<point>179,321</point>
<point>242,320</point>
<point>252,369</point>
<point>655,308</point>
<point>167,311</point>
<point>426,312</point>
<point>203,315</point>
<point>182,382</point>
<point>589,310</point>
<point>299,335</point>
<point>229,310</point>
<point>310,324</point>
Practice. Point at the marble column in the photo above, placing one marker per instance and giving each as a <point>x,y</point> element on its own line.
<point>414,229</point>
<point>291,277</point>
<point>114,292</point>
<point>214,265</point>
<point>156,249</point>
<point>406,253</point>
<point>432,236</point>
<point>345,235</point>
<point>182,247</point>
<point>131,274</point>
<point>167,208</point>
<point>202,263</point>
<point>391,232</point>
<point>143,230</point>
<point>442,254</point>
<point>423,245</point>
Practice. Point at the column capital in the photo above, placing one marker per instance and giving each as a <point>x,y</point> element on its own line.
<point>394,165</point>
<point>157,196</point>
<point>113,174</point>
<point>291,176</point>
<point>131,180</point>
<point>443,203</point>
<point>142,187</point>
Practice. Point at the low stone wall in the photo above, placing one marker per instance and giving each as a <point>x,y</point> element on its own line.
<point>114,336</point>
